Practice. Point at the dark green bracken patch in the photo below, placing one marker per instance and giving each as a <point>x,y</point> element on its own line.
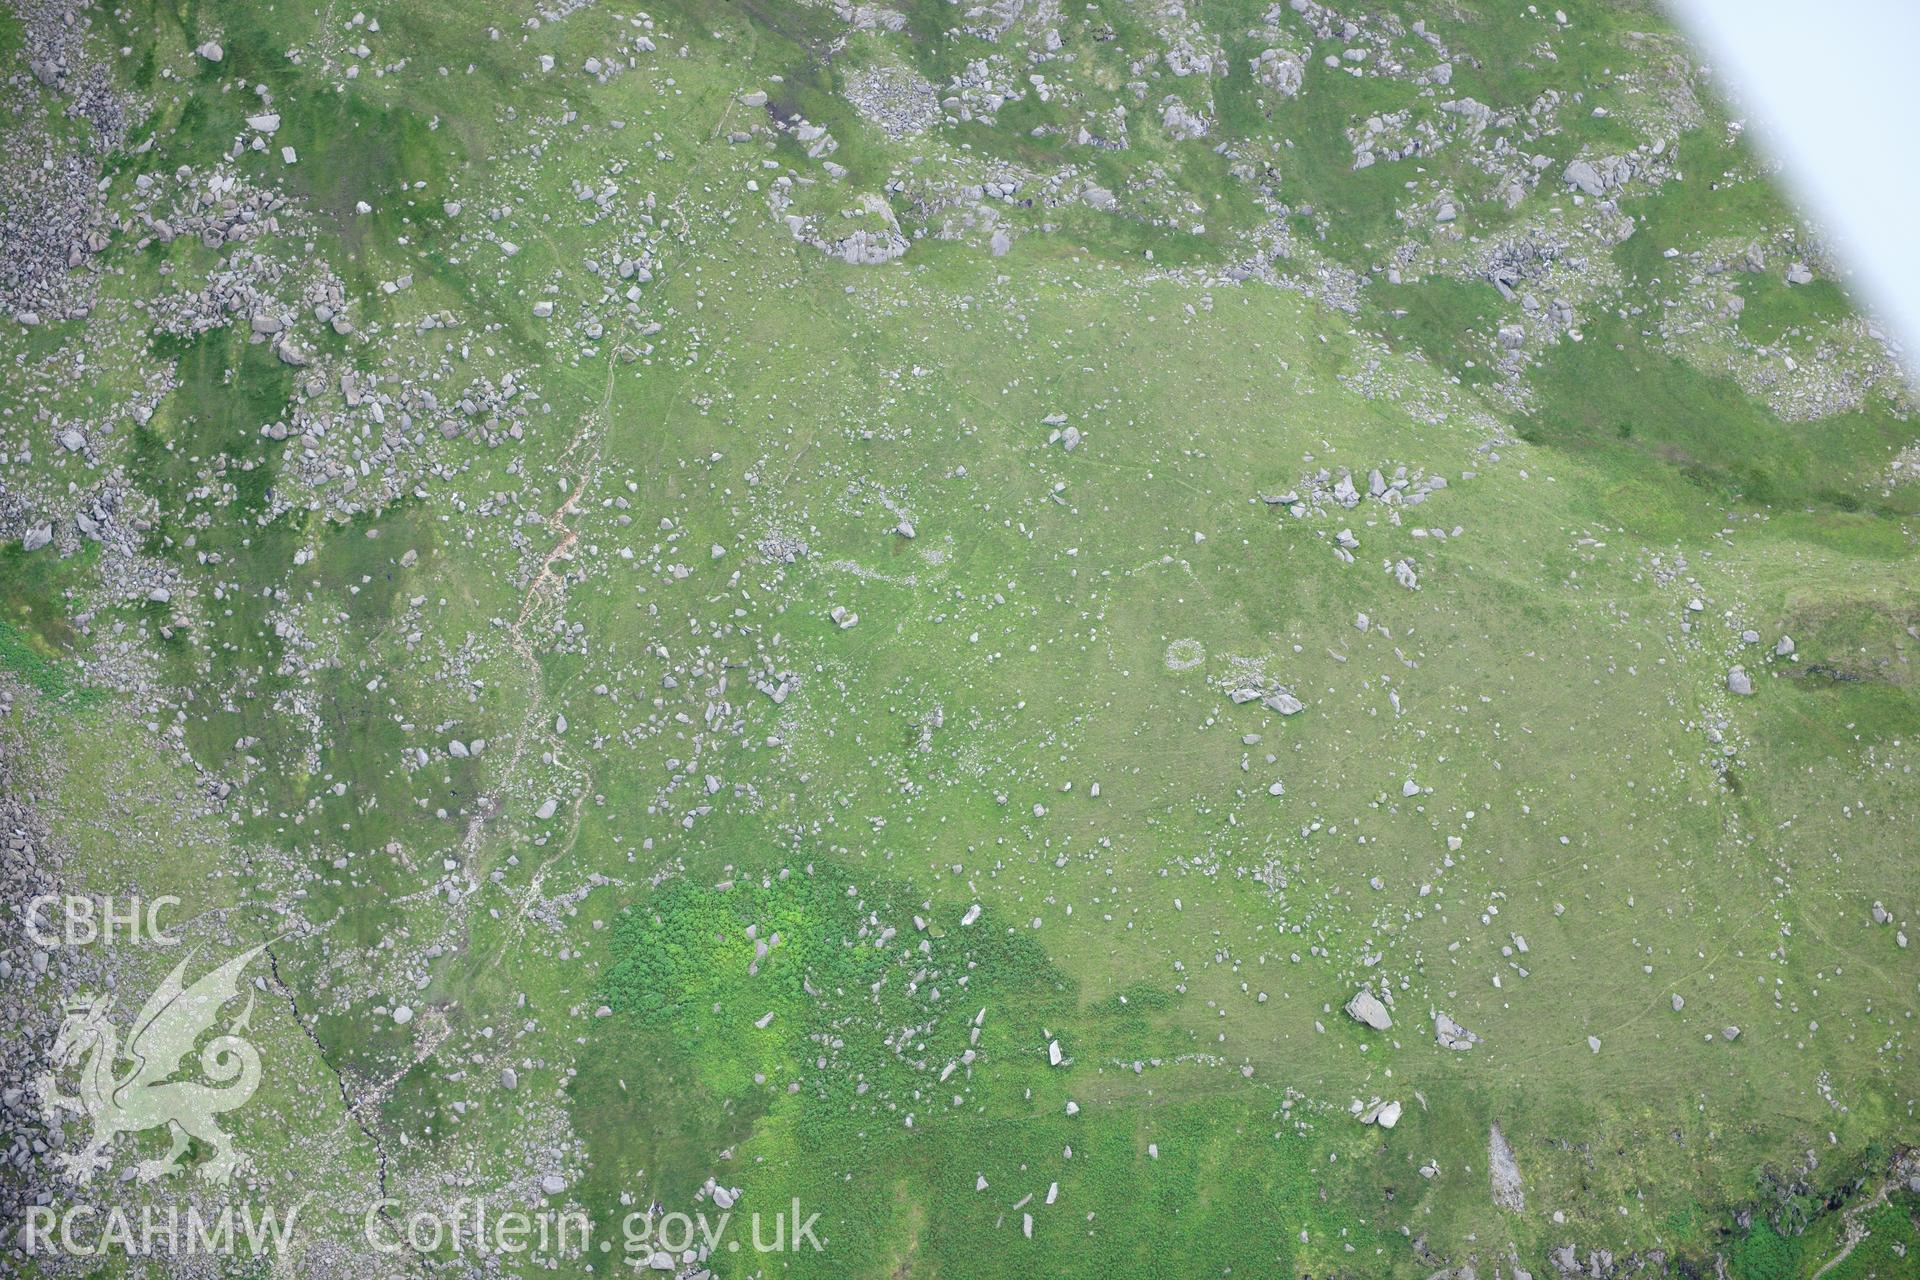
<point>1618,398</point>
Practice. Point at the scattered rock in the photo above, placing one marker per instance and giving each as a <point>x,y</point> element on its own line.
<point>1366,1007</point>
<point>1451,1035</point>
<point>1504,1173</point>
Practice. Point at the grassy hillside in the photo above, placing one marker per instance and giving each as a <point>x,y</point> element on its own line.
<point>722,584</point>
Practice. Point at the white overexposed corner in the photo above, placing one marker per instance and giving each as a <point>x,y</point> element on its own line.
<point>1832,89</point>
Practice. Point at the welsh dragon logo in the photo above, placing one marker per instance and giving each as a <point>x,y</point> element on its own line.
<point>143,1095</point>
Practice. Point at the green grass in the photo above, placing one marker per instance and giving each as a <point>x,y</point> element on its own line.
<point>1662,423</point>
<point>1765,1254</point>
<point>688,1011</point>
<point>1187,936</point>
<point>1890,1246</point>
<point>19,656</point>
<point>1775,308</point>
